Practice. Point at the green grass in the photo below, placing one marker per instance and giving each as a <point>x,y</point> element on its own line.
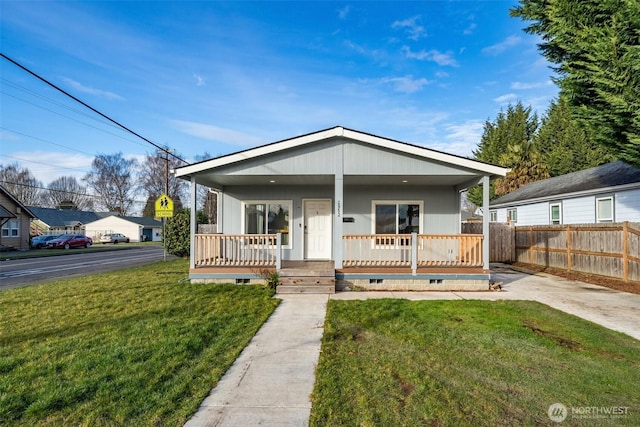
<point>134,347</point>
<point>468,363</point>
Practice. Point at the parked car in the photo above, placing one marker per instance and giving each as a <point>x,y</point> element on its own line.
<point>113,238</point>
<point>67,241</point>
<point>39,242</point>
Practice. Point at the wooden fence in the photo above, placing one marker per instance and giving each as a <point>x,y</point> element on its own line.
<point>502,240</point>
<point>611,250</point>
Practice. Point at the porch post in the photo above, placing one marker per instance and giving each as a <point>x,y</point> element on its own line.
<point>485,222</point>
<point>194,225</point>
<point>338,212</point>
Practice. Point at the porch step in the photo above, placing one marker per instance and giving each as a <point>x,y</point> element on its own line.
<point>306,289</point>
<point>307,277</point>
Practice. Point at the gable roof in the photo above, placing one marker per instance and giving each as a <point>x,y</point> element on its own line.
<point>6,213</point>
<point>339,131</point>
<point>143,220</point>
<point>600,178</point>
<point>62,218</point>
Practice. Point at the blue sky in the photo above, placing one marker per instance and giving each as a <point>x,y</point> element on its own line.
<point>219,77</point>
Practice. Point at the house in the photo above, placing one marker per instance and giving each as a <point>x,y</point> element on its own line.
<point>606,193</point>
<point>135,228</point>
<point>364,210</point>
<point>59,221</point>
<point>15,219</point>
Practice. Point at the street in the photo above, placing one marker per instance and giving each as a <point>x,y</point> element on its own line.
<point>29,271</point>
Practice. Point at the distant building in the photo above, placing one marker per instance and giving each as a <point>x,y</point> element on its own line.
<point>606,193</point>
<point>59,221</point>
<point>135,228</point>
<point>15,219</point>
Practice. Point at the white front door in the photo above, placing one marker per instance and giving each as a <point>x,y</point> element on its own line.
<point>317,229</point>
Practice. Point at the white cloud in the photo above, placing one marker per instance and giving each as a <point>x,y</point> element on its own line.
<point>462,138</point>
<point>406,84</point>
<point>436,56</point>
<point>199,80</point>
<point>411,25</point>
<point>47,166</point>
<point>342,13</point>
<point>215,133</point>
<point>506,98</point>
<point>526,86</point>
<point>469,30</point>
<point>498,48</point>
<point>92,91</point>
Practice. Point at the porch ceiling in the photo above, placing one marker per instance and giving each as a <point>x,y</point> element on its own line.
<point>219,181</point>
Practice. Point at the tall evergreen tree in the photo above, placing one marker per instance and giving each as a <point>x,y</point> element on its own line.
<point>595,45</point>
<point>515,126</point>
<point>564,145</point>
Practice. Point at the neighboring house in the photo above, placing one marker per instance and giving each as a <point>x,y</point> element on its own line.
<point>15,219</point>
<point>135,228</point>
<point>606,193</point>
<point>60,221</point>
<point>382,214</point>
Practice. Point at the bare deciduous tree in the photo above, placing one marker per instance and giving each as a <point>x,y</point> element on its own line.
<point>113,181</point>
<point>67,193</point>
<point>21,183</point>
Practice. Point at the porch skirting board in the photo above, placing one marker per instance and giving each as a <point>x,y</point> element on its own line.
<point>432,279</point>
<point>376,279</point>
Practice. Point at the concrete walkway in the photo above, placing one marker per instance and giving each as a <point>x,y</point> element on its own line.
<point>271,381</point>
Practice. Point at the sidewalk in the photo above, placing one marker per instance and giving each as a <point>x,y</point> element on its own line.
<point>271,381</point>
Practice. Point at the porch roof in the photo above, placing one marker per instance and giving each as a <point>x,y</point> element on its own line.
<point>312,160</point>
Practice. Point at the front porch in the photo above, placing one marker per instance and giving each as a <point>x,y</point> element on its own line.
<point>374,262</point>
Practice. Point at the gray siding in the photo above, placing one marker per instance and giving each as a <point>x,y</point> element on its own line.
<point>362,159</point>
<point>627,206</point>
<point>440,214</point>
<point>359,159</point>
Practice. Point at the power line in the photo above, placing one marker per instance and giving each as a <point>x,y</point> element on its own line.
<point>90,107</point>
<point>38,187</point>
<point>47,141</point>
<point>44,164</point>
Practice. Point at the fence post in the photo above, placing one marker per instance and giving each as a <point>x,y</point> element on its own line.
<point>625,251</point>
<point>568,247</point>
<point>530,244</point>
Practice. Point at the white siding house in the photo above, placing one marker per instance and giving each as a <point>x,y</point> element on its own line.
<point>135,228</point>
<point>607,193</point>
<point>377,211</point>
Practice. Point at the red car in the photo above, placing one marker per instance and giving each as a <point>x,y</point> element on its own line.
<point>67,241</point>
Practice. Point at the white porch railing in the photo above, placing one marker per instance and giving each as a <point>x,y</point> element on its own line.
<point>379,250</point>
<point>412,250</point>
<point>232,250</point>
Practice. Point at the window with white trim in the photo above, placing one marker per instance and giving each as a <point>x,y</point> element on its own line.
<point>512,215</point>
<point>396,217</point>
<point>493,216</point>
<point>555,213</point>
<point>604,209</point>
<point>11,228</point>
<point>268,217</point>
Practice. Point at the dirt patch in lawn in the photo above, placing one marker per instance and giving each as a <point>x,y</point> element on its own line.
<point>609,282</point>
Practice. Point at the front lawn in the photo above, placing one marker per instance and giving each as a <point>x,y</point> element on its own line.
<point>471,363</point>
<point>134,347</point>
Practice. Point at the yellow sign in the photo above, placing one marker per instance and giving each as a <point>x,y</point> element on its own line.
<point>164,207</point>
